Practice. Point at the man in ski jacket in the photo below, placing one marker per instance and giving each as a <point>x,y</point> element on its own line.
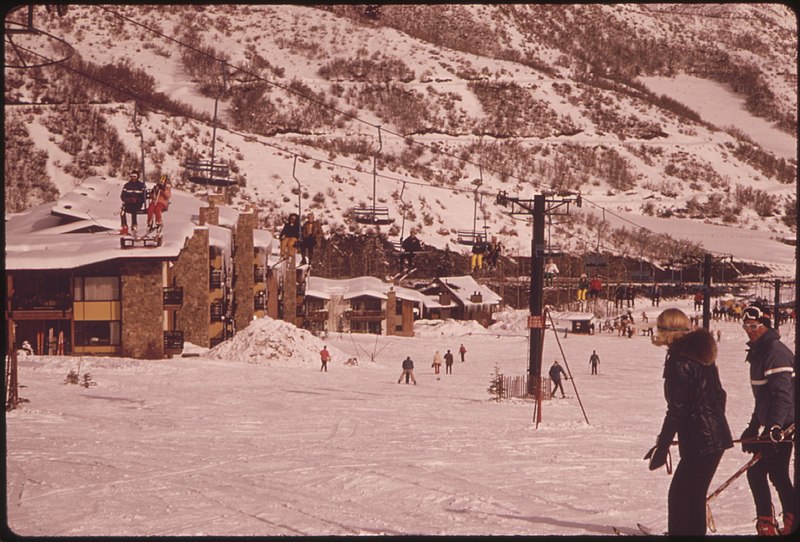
<point>478,250</point>
<point>410,245</point>
<point>408,371</point>
<point>594,361</point>
<point>311,234</point>
<point>133,196</point>
<point>448,362</point>
<point>696,413</point>
<point>772,381</point>
<point>555,375</point>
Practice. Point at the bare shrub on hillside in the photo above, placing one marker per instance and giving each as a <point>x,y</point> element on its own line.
<point>25,179</point>
<point>759,200</point>
<point>378,68</point>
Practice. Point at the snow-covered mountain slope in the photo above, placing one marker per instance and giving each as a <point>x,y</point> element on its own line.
<point>639,107</point>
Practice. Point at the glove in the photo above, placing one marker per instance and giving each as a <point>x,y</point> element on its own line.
<point>750,433</point>
<point>657,455</point>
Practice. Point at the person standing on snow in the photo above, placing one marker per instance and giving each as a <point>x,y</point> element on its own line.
<point>594,361</point>
<point>408,371</point>
<point>772,379</point>
<point>555,375</point>
<point>324,357</point>
<point>696,413</point>
<point>437,362</point>
<point>462,351</point>
<point>448,362</point>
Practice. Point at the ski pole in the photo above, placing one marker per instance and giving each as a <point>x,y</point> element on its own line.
<point>709,517</point>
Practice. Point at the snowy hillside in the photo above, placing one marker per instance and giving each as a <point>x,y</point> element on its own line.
<point>639,107</point>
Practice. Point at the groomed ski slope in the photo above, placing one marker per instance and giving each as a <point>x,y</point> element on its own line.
<point>262,443</point>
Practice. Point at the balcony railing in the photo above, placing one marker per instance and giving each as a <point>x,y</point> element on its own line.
<point>365,314</point>
<point>173,296</point>
<point>173,342</point>
<point>216,312</point>
<point>259,302</point>
<point>259,274</point>
<point>215,279</point>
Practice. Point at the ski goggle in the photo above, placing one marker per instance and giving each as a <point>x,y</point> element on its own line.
<point>752,313</point>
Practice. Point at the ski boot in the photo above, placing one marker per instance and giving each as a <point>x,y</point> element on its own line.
<point>134,230</point>
<point>123,230</point>
<point>789,523</point>
<point>766,526</point>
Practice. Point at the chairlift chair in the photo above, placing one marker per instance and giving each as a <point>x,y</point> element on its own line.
<point>595,259</point>
<point>376,216</point>
<point>204,172</point>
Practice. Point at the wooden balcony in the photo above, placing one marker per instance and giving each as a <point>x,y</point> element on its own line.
<point>173,297</point>
<point>173,342</point>
<point>362,315</point>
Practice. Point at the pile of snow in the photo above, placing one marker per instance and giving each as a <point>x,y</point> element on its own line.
<point>447,328</point>
<point>510,321</point>
<point>277,343</point>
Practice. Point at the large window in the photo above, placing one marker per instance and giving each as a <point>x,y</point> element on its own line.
<point>93,333</point>
<point>96,288</point>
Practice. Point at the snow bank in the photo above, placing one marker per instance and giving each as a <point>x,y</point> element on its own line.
<point>510,321</point>
<point>447,328</point>
<point>275,342</point>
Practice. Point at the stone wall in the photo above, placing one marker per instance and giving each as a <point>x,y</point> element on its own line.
<point>192,273</point>
<point>142,310</point>
<point>243,276</point>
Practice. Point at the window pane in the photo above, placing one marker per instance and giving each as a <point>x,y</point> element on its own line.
<point>101,288</point>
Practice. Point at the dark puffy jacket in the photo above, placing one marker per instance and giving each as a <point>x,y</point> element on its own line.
<point>408,364</point>
<point>133,195</point>
<point>772,380</point>
<point>695,397</point>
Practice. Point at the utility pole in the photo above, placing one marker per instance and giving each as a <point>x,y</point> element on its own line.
<point>538,208</point>
<point>776,311</point>
<point>707,291</point>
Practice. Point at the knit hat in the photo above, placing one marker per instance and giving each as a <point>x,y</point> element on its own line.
<point>754,312</point>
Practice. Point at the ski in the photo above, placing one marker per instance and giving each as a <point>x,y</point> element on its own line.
<point>642,528</point>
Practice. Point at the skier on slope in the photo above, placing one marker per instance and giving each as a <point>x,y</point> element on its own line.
<point>556,370</point>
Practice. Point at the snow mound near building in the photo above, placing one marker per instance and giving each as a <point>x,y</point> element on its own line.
<point>447,328</point>
<point>510,321</point>
<point>275,342</point>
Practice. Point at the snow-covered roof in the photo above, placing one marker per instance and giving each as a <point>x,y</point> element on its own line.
<point>575,316</point>
<point>463,287</point>
<point>325,288</point>
<point>56,236</point>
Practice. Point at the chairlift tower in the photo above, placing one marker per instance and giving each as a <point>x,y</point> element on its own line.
<point>539,208</point>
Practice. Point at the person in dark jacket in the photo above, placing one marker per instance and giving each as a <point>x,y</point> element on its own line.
<point>696,413</point>
<point>555,375</point>
<point>772,380</point>
<point>289,235</point>
<point>133,196</point>
<point>448,362</point>
<point>410,245</point>
<point>408,371</point>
